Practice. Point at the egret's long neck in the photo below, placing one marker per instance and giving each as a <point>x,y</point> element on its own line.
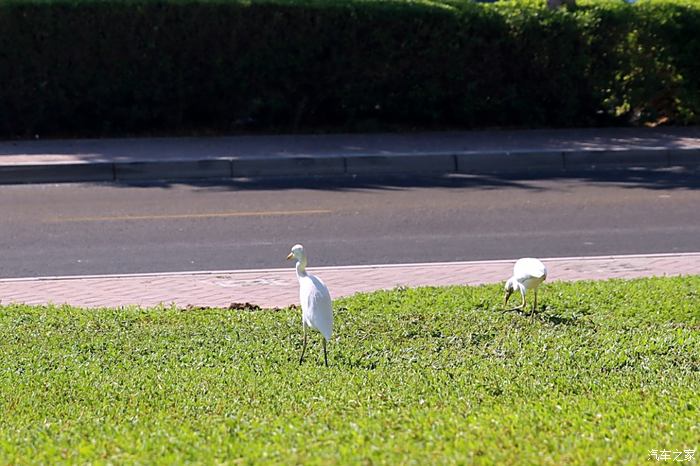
<point>301,267</point>
<point>518,286</point>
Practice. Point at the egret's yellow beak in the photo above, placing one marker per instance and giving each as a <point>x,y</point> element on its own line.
<point>290,256</point>
<point>507,297</point>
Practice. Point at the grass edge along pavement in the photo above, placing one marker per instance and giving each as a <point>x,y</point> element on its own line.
<point>607,372</point>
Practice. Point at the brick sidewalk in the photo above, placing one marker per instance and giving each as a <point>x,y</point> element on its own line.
<point>278,287</point>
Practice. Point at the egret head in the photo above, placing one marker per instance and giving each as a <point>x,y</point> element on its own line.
<point>510,287</point>
<point>297,253</point>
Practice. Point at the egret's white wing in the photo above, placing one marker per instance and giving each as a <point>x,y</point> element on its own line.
<point>316,304</point>
<point>529,268</point>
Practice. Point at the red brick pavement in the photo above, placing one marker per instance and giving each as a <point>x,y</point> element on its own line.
<point>278,287</point>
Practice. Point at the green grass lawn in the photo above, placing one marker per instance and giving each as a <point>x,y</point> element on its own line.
<point>605,372</point>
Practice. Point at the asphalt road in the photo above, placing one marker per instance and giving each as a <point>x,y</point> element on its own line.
<point>49,230</point>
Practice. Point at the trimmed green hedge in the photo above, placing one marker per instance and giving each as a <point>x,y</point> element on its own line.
<point>114,67</point>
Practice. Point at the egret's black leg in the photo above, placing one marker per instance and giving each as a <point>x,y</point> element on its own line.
<point>325,353</point>
<point>303,348</point>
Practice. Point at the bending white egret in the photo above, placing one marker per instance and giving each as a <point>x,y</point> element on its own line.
<point>316,307</point>
<point>528,273</point>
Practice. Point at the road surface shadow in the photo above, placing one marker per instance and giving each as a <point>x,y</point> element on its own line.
<point>657,179</point>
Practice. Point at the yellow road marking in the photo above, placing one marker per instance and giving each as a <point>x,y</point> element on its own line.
<point>190,216</point>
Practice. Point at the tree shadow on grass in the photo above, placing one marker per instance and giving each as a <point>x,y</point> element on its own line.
<point>545,315</point>
<point>559,319</point>
<point>572,319</point>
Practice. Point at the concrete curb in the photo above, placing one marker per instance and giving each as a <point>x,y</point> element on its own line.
<point>56,173</point>
<point>200,169</point>
<point>464,162</point>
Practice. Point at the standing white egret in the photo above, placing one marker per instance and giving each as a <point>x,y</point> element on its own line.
<point>316,306</point>
<point>528,273</point>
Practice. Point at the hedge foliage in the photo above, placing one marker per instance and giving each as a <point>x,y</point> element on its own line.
<point>95,67</point>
